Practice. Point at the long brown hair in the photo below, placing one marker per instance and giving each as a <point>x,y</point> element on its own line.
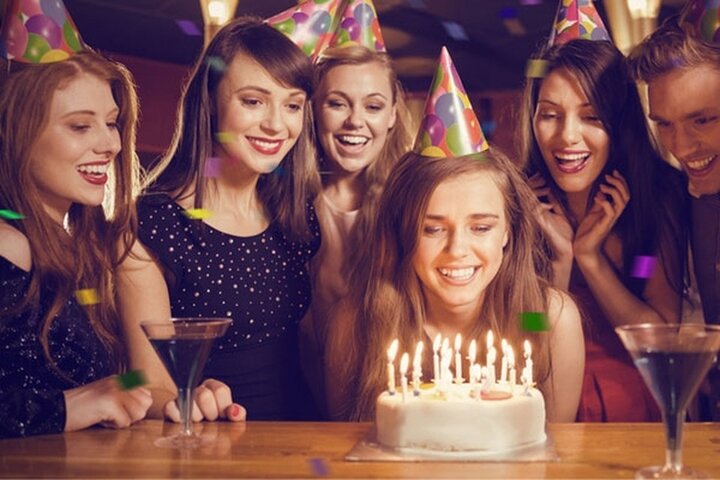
<point>89,255</point>
<point>180,172</point>
<point>388,299</point>
<point>399,139</point>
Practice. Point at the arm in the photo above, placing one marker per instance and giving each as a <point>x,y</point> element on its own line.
<point>592,244</point>
<point>567,356</point>
<point>338,342</point>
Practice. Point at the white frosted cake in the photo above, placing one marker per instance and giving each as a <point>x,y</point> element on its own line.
<point>457,421</point>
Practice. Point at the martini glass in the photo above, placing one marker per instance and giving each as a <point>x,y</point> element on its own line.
<point>183,345</point>
<point>673,360</point>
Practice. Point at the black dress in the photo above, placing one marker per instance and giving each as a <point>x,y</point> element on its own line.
<point>261,282</point>
<point>31,391</point>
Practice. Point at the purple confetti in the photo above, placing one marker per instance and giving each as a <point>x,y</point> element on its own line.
<point>508,13</point>
<point>212,167</point>
<point>319,467</point>
<point>643,266</point>
<point>189,28</point>
<point>530,2</point>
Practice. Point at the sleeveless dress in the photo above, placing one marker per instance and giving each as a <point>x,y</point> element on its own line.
<point>31,391</point>
<point>261,282</point>
<point>613,390</point>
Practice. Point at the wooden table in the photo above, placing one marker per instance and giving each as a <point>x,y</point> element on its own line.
<point>270,449</point>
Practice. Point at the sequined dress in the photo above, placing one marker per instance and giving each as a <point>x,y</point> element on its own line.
<point>261,282</point>
<point>31,391</point>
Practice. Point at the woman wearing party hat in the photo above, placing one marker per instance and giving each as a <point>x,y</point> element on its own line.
<point>459,256</point>
<point>227,227</point>
<point>610,205</point>
<point>363,128</point>
<point>67,139</point>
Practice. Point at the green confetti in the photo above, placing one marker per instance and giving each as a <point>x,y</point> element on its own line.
<point>534,322</point>
<point>131,379</point>
<point>10,215</point>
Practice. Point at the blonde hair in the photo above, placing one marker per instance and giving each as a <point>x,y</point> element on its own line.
<point>88,257</point>
<point>388,300</point>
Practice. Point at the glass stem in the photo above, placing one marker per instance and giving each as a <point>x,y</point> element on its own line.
<point>673,435</point>
<point>185,404</point>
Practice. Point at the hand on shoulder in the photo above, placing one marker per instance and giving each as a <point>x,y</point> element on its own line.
<point>14,246</point>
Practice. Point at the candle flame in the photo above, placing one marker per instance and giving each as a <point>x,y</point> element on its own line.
<point>417,359</point>
<point>445,344</point>
<point>503,346</point>
<point>527,348</point>
<point>510,357</point>
<point>490,339</point>
<point>458,342</point>
<point>392,351</point>
<point>404,361</point>
<point>436,343</point>
<point>472,353</point>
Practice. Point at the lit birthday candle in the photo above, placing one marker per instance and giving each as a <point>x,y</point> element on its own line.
<point>391,352</point>
<point>458,359</point>
<point>417,368</point>
<point>491,367</point>
<point>445,360</point>
<point>404,361</point>
<point>472,356</point>
<point>436,359</point>
<point>489,343</point>
<point>475,377</point>
<point>511,366</point>
<point>528,362</point>
<point>504,361</point>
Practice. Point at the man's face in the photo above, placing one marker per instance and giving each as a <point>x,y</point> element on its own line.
<point>685,106</point>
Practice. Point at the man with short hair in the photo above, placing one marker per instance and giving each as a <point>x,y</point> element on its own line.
<point>682,71</point>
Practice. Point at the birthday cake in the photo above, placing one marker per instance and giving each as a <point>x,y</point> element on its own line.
<point>457,420</point>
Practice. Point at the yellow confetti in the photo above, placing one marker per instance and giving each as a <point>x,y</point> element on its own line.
<point>198,213</point>
<point>536,68</point>
<point>225,137</point>
<point>87,296</point>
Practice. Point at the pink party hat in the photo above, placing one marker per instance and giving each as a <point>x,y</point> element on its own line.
<point>577,19</point>
<point>701,18</point>
<point>359,25</point>
<point>38,31</point>
<point>310,24</point>
<point>449,127</point>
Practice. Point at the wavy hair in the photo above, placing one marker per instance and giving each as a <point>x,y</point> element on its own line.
<point>89,256</point>
<point>392,302</point>
<point>180,172</point>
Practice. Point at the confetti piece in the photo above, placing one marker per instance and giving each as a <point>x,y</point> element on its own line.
<point>131,379</point>
<point>530,2</point>
<point>217,64</point>
<point>279,171</point>
<point>225,137</point>
<point>319,467</point>
<point>508,13</point>
<point>536,68</point>
<point>488,126</point>
<point>212,167</point>
<point>10,215</point>
<point>534,322</point>
<point>87,296</point>
<point>197,213</point>
<point>643,266</point>
<point>189,28</point>
<point>514,27</point>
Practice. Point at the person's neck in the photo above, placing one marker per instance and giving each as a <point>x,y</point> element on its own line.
<point>450,321</point>
<point>577,205</point>
<point>233,190</point>
<point>345,191</point>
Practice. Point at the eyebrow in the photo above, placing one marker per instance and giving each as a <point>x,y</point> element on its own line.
<point>115,110</point>
<point>265,91</point>
<point>689,116</point>
<point>474,216</point>
<point>544,100</point>
<point>344,95</point>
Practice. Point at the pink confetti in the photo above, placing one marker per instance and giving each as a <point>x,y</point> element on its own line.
<point>643,266</point>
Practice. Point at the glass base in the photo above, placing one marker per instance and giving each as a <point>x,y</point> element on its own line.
<point>183,441</point>
<point>660,472</point>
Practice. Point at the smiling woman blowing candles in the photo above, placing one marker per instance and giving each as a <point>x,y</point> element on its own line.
<point>67,137</point>
<point>458,257</point>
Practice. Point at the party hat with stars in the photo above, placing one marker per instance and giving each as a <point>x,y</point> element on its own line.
<point>577,19</point>
<point>38,31</point>
<point>701,18</point>
<point>449,127</point>
<point>310,24</point>
<point>359,25</point>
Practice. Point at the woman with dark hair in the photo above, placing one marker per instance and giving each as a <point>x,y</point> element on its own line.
<point>226,226</point>
<point>458,257</point>
<point>611,210</point>
<point>67,138</point>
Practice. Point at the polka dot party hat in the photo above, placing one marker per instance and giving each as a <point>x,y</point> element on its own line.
<point>38,31</point>
<point>577,19</point>
<point>310,24</point>
<point>701,18</point>
<point>450,127</point>
<point>359,25</point>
